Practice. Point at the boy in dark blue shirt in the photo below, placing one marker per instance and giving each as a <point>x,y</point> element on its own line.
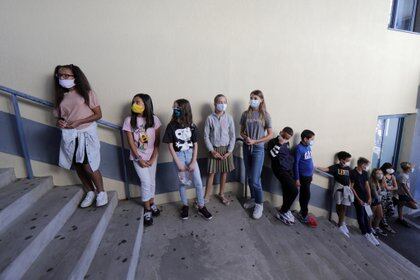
<point>303,171</point>
<point>282,167</point>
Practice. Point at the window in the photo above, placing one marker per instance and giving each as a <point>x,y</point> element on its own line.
<point>404,14</point>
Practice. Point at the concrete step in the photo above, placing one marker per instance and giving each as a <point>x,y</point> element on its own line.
<point>226,247</point>
<point>7,176</point>
<point>30,233</point>
<point>20,195</point>
<point>377,257</point>
<point>70,253</point>
<point>298,237</point>
<point>392,265</point>
<point>118,254</point>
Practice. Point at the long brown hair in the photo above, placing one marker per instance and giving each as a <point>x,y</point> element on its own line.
<point>261,109</point>
<point>147,113</point>
<point>82,85</point>
<point>186,118</point>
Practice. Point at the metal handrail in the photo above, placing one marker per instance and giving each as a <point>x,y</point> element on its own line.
<point>331,183</point>
<point>16,95</point>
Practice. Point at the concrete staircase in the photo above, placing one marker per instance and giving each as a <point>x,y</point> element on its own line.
<point>45,235</point>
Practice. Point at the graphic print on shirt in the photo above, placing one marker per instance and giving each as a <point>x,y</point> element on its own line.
<point>183,139</point>
<point>308,155</point>
<point>143,140</point>
<point>343,172</point>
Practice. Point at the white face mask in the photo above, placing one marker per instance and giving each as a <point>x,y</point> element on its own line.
<point>347,164</point>
<point>311,143</point>
<point>254,103</point>
<point>221,107</point>
<point>367,168</point>
<point>379,176</point>
<point>66,83</point>
<point>390,171</point>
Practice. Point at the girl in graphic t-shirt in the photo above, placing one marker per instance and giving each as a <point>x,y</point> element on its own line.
<point>142,130</point>
<point>181,136</point>
<point>77,109</point>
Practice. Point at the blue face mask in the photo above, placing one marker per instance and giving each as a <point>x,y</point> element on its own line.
<point>177,112</point>
<point>254,103</point>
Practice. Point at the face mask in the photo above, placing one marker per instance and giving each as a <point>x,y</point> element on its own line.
<point>254,103</point>
<point>390,171</point>
<point>177,112</point>
<point>367,168</point>
<point>412,170</point>
<point>379,176</point>
<point>347,164</point>
<point>311,143</point>
<point>66,83</point>
<point>221,107</point>
<point>138,109</point>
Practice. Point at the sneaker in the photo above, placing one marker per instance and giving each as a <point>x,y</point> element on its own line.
<point>403,223</point>
<point>389,229</point>
<point>249,204</point>
<point>101,199</point>
<point>155,210</point>
<point>343,230</point>
<point>302,219</point>
<point>205,213</point>
<point>283,217</point>
<point>379,231</point>
<point>258,211</point>
<point>148,218</point>
<point>369,238</point>
<point>184,212</point>
<point>290,217</point>
<point>375,241</point>
<point>89,198</point>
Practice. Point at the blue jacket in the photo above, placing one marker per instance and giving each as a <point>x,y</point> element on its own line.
<point>303,165</point>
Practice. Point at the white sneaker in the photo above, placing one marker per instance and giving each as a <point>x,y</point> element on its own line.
<point>89,198</point>
<point>249,204</point>
<point>258,211</point>
<point>375,241</point>
<point>101,199</point>
<point>290,216</point>
<point>343,230</point>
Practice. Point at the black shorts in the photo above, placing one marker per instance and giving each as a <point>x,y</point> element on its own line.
<point>403,198</point>
<point>375,202</point>
<point>85,159</point>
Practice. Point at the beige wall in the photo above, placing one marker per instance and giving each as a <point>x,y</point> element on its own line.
<point>330,65</point>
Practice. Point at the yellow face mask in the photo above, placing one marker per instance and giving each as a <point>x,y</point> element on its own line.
<point>138,109</point>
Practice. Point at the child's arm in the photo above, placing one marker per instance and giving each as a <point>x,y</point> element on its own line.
<point>231,139</point>
<point>394,184</point>
<point>179,164</point>
<point>265,138</point>
<point>361,202</point>
<point>191,166</point>
<point>130,140</point>
<point>298,155</point>
<point>97,114</point>
<point>369,195</point>
<point>324,169</point>
<point>405,189</point>
<point>156,147</point>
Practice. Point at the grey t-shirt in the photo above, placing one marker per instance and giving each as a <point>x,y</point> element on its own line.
<point>253,126</point>
<point>403,179</point>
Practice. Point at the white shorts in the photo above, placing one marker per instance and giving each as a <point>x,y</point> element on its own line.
<point>343,195</point>
<point>147,177</point>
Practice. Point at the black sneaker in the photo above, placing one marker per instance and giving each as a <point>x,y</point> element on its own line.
<point>148,219</point>
<point>184,212</point>
<point>389,228</point>
<point>403,223</point>
<point>205,213</point>
<point>155,210</point>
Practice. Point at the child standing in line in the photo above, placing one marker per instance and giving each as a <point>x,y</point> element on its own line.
<point>404,195</point>
<point>181,135</point>
<point>343,195</point>
<point>142,130</point>
<point>376,183</point>
<point>219,137</point>
<point>387,195</point>
<point>256,129</point>
<point>282,166</point>
<point>303,171</point>
<point>360,185</point>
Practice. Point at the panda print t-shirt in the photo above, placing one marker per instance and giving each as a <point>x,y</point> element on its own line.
<point>182,138</point>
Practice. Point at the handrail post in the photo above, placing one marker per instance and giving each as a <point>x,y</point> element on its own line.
<point>124,165</point>
<point>22,138</point>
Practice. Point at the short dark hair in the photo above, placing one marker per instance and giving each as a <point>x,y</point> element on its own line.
<point>288,130</point>
<point>405,165</point>
<point>218,96</point>
<point>362,160</point>
<point>307,134</point>
<point>343,155</point>
<point>385,166</point>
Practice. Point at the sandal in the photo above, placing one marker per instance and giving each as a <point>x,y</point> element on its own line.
<point>223,199</point>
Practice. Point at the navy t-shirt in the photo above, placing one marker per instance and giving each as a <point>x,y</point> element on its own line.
<point>359,180</point>
<point>341,173</point>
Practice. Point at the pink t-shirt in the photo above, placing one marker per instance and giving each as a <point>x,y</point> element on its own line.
<point>73,107</point>
<point>143,139</point>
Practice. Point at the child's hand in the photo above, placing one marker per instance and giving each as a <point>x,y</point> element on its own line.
<point>369,201</point>
<point>73,124</point>
<point>216,155</point>
<point>191,166</point>
<point>143,163</point>
<point>61,123</point>
<point>298,183</point>
<point>225,156</point>
<point>182,168</point>
<point>251,141</point>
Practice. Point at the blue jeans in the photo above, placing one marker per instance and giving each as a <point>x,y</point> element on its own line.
<point>185,158</point>
<point>253,161</point>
